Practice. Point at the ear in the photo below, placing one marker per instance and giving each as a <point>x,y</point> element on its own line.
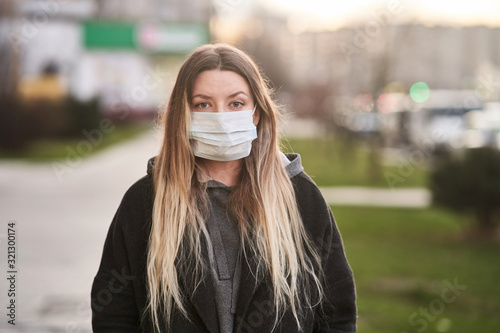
<point>256,116</point>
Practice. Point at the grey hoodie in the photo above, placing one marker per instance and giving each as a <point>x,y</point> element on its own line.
<point>226,253</point>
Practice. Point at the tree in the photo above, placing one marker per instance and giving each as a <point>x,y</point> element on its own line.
<point>470,184</point>
<point>9,51</point>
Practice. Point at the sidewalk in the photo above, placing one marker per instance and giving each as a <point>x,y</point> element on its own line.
<point>61,226</point>
<point>364,196</point>
<point>62,223</point>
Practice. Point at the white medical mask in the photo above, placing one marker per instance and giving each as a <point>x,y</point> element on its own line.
<point>222,136</point>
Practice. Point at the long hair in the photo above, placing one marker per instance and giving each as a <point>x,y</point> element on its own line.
<point>263,203</point>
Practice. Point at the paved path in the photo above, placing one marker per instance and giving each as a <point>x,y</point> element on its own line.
<point>61,227</point>
<point>362,196</point>
<point>62,222</point>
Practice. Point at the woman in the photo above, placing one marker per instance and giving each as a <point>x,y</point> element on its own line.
<point>225,233</point>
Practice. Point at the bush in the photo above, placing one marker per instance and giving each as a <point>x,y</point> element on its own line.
<point>25,122</point>
<point>470,183</point>
<point>81,115</point>
<point>13,135</point>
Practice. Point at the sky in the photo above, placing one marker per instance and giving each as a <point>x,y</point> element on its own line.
<point>321,14</point>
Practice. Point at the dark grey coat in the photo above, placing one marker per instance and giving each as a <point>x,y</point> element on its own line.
<point>118,294</point>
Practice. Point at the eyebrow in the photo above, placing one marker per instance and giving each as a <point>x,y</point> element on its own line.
<point>208,97</point>
<point>238,93</point>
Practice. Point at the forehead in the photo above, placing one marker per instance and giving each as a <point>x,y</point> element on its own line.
<point>216,83</point>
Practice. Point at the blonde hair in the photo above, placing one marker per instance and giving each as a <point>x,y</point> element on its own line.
<point>263,203</point>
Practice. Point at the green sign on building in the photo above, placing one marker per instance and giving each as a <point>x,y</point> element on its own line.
<point>151,37</point>
<point>109,35</point>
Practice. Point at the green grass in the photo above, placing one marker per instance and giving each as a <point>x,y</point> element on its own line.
<point>331,162</point>
<point>401,258</point>
<point>56,149</point>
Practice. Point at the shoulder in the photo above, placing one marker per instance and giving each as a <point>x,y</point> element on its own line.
<point>306,189</point>
<point>139,190</point>
<point>135,209</point>
<point>315,211</point>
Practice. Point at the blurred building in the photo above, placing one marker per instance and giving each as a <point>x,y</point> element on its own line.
<point>172,10</point>
<point>369,56</point>
<point>443,57</point>
<point>124,53</point>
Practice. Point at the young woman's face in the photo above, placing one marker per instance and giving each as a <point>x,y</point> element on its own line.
<point>222,91</point>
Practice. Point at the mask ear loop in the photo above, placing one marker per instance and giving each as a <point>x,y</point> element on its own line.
<point>254,108</point>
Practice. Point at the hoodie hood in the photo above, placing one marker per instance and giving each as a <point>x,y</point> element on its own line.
<point>291,162</point>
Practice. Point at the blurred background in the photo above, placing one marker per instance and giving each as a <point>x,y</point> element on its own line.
<point>393,105</point>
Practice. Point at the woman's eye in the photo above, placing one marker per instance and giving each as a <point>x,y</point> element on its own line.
<point>236,104</point>
<point>202,105</point>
